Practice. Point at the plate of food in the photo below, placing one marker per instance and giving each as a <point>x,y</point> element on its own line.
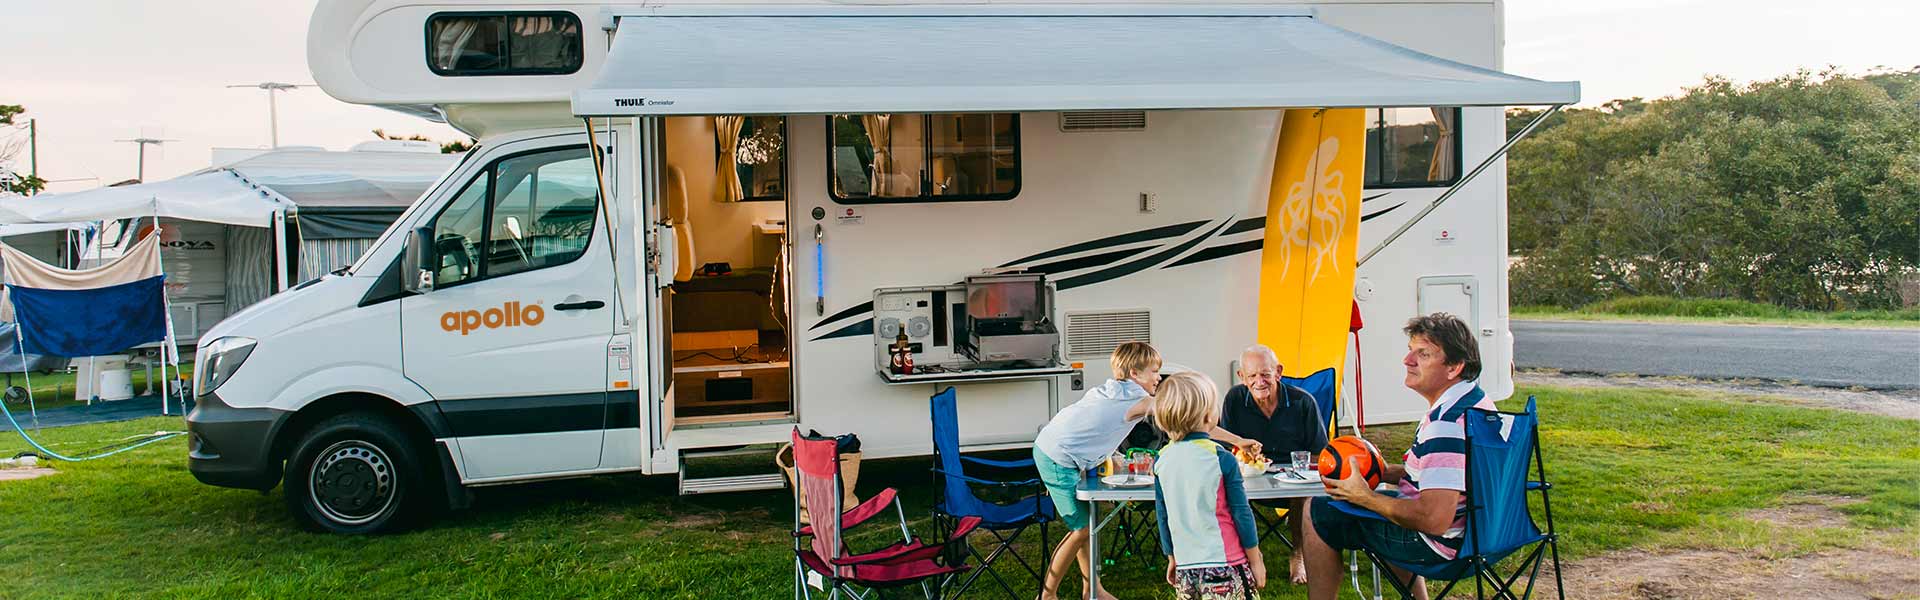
<point>1128,480</point>
<point>1252,464</point>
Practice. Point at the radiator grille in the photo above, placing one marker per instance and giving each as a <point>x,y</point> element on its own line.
<point>1094,334</point>
<point>1103,120</point>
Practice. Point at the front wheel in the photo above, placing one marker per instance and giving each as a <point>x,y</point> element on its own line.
<point>355,474</point>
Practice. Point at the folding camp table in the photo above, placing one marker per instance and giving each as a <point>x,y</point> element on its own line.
<point>1092,490</point>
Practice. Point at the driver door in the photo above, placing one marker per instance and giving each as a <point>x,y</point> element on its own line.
<point>512,340</point>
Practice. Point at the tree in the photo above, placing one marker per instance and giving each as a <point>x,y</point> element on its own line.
<point>10,181</point>
<point>1802,191</point>
<point>453,147</point>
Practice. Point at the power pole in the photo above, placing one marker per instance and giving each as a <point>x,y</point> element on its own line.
<point>141,170</point>
<point>273,88</point>
<point>33,150</point>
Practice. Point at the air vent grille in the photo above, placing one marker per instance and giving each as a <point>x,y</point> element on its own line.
<point>1094,334</point>
<point>1103,120</point>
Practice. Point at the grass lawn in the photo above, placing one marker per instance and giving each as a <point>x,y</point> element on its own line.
<point>1633,468</point>
<point>1675,310</point>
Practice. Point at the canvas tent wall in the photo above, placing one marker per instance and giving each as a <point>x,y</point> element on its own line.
<point>236,233</point>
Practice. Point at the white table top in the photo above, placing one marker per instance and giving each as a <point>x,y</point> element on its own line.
<point>1264,487</point>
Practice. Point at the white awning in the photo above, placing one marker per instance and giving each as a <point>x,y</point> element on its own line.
<point>974,62</point>
<point>212,196</point>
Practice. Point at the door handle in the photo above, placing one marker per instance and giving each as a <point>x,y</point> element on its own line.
<point>586,305</point>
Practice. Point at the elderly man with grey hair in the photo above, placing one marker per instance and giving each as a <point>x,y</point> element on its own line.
<point>1283,418</point>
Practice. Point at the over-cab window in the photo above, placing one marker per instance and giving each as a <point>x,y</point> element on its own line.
<point>523,43</point>
<point>923,158</point>
<point>524,212</point>
<point>1413,147</point>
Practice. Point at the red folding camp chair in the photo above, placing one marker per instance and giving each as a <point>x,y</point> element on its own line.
<point>825,556</point>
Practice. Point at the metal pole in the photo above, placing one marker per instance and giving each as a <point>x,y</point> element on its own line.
<point>1502,151</point>
<point>33,148</point>
<point>273,116</point>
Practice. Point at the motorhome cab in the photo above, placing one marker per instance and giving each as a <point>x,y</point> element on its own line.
<point>691,227</point>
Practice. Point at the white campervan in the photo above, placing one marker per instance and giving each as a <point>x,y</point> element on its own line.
<point>691,227</point>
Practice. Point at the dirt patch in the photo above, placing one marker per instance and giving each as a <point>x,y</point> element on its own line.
<point>1873,572</point>
<point>692,521</point>
<point>24,474</point>
<point>1904,404</point>
<point>1830,575</point>
<point>1806,512</point>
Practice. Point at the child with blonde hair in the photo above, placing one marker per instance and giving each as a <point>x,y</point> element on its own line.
<point>1082,435</point>
<point>1206,526</point>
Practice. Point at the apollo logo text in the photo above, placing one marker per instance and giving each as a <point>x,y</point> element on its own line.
<point>511,314</point>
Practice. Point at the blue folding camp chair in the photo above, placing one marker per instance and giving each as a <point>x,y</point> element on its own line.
<point>1023,502</point>
<point>1499,521</point>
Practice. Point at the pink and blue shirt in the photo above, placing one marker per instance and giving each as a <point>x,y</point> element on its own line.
<point>1203,513</point>
<point>1438,458</point>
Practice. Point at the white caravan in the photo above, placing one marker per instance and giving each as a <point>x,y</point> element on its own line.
<point>793,188</point>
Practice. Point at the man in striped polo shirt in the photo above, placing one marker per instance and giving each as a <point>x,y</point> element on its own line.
<point>1428,513</point>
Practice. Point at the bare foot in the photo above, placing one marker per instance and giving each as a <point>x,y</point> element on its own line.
<point>1298,565</point>
<point>1103,595</point>
<point>1049,596</point>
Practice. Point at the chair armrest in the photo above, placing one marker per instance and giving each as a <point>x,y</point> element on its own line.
<point>1349,508</point>
<point>859,514</point>
<point>1539,485</point>
<point>1003,464</point>
<point>979,481</point>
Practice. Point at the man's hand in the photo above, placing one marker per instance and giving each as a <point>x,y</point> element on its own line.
<point>1353,489</point>
<point>1170,580</point>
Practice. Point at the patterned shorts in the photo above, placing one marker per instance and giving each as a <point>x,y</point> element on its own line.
<point>1215,583</point>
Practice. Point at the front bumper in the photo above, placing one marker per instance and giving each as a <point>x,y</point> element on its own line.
<point>233,447</point>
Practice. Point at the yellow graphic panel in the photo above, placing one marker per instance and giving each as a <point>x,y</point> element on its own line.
<point>1312,241</point>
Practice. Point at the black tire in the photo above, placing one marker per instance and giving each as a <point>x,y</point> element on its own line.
<point>358,473</point>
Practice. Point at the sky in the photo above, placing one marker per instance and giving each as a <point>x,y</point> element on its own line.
<point>95,71</point>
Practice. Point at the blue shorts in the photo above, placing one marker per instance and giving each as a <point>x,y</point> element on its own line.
<point>1062,483</point>
<point>1343,531</point>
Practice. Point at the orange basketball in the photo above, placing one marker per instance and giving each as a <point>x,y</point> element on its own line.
<point>1346,455</point>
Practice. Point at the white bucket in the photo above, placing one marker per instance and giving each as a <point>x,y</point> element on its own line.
<point>116,384</point>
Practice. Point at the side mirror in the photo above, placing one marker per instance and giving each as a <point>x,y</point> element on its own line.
<point>419,262</point>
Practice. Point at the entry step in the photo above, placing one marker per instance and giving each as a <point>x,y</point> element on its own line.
<point>738,483</point>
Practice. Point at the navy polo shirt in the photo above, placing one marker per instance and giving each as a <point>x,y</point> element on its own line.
<point>1295,425</point>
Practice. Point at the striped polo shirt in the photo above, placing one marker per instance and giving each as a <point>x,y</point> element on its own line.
<point>1203,513</point>
<point>1438,458</point>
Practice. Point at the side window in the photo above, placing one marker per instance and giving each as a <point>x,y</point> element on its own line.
<point>522,213</point>
<point>543,213</point>
<point>528,43</point>
<point>924,158</point>
<point>757,147</point>
<point>1413,147</point>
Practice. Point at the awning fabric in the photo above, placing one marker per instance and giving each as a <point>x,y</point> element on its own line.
<point>361,192</point>
<point>812,64</point>
<point>214,196</point>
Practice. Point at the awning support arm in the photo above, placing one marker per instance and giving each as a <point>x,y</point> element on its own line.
<point>1462,183</point>
<point>598,154</point>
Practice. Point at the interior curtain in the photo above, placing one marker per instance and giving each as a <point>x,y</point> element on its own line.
<point>1441,167</point>
<point>880,135</point>
<point>451,40</point>
<point>726,135</point>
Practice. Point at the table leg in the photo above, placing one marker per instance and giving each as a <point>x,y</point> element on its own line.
<point>1093,549</point>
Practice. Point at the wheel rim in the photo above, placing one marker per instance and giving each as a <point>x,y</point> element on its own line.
<point>352,482</point>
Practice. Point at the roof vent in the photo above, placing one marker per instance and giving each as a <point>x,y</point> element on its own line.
<point>1103,120</point>
<point>1094,334</point>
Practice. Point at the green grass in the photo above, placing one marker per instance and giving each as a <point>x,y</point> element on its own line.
<point>1633,468</point>
<point>1660,308</point>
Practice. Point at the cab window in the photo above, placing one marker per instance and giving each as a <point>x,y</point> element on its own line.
<point>524,212</point>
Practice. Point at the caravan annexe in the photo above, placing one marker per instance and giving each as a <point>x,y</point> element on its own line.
<point>1123,151</point>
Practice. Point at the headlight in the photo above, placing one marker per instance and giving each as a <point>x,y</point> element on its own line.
<point>217,362</point>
